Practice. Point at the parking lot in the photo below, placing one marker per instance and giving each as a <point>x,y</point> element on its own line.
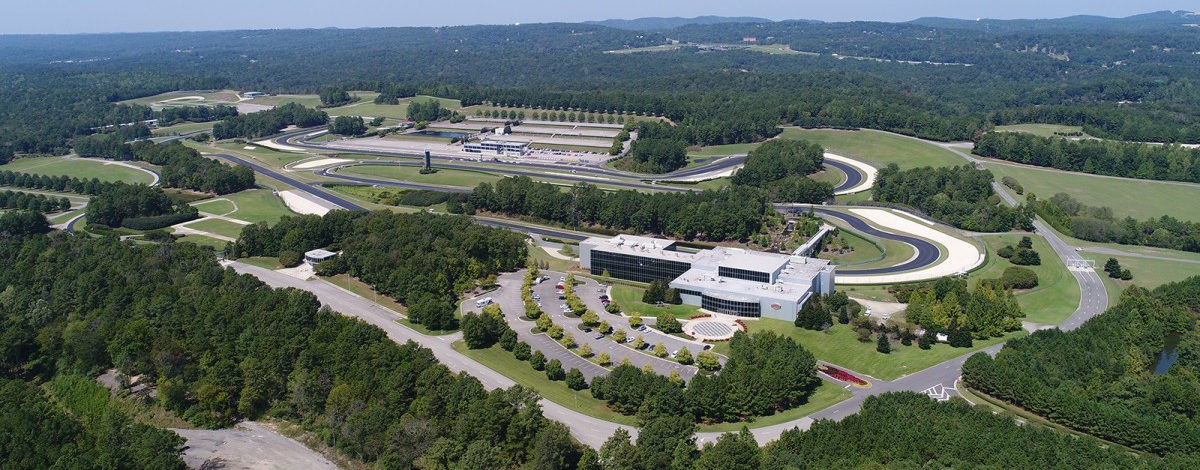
<point>508,296</point>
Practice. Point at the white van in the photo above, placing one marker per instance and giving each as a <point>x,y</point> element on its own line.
<point>483,302</point>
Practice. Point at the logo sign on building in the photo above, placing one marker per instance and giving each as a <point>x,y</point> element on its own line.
<point>776,306</point>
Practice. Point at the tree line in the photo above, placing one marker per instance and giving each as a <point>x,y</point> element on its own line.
<point>1102,379</point>
<point>1099,157</point>
<point>10,199</point>
<point>1098,224</point>
<point>219,347</point>
<point>61,183</point>
<point>271,121</point>
<point>182,167</point>
<point>176,114</point>
<point>960,196</point>
<point>422,260</point>
<point>728,214</point>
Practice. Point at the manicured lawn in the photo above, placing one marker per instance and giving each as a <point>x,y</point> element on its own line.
<point>831,175</point>
<point>715,183</point>
<point>82,168</point>
<point>268,156</point>
<point>858,250</point>
<point>203,241</point>
<point>310,101</point>
<point>1148,273</point>
<point>444,176</point>
<point>521,372</point>
<point>630,300</point>
<point>267,262</point>
<point>1140,199</point>
<point>365,291</point>
<point>258,205</point>
<point>215,206</point>
<point>877,147</point>
<point>840,346</point>
<point>168,98</point>
<point>729,149</point>
<point>183,128</point>
<point>1042,130</point>
<point>1057,295</point>
<point>217,226</point>
<point>538,253</point>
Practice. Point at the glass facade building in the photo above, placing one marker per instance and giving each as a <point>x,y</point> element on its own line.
<point>731,307</point>
<point>745,274</point>
<point>636,268</point>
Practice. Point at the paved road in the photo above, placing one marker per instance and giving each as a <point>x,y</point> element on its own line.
<point>926,253</point>
<point>308,188</point>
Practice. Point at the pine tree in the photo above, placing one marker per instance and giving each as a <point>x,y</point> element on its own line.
<point>883,345</point>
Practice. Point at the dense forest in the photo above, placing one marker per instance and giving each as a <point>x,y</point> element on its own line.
<point>219,346</point>
<point>959,196</point>
<point>422,260</point>
<point>728,214</point>
<point>264,123</point>
<point>86,431</point>
<point>1098,224</point>
<point>1100,157</point>
<point>182,167</point>
<point>780,166</point>
<point>137,206</point>
<point>1105,378</point>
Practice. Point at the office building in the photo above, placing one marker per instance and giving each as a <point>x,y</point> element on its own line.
<point>726,280</point>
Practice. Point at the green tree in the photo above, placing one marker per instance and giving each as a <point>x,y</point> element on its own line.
<point>538,361</point>
<point>883,345</point>
<point>603,358</point>
<point>683,356</point>
<point>660,350</point>
<point>619,336</point>
<point>706,360</point>
<point>554,370</point>
<point>731,452</point>
<point>667,323</point>
<point>575,380</point>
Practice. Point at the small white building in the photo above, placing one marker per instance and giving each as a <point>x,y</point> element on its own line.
<point>313,257</point>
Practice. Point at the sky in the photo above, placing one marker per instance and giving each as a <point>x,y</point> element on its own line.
<point>103,16</point>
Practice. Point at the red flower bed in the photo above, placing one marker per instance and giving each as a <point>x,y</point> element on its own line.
<point>696,317</point>
<point>742,325</point>
<point>841,375</point>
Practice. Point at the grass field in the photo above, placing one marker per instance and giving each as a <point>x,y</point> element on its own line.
<point>171,98</point>
<point>1057,295</point>
<point>840,346</point>
<point>217,206</point>
<point>830,175</point>
<point>1042,130</point>
<point>217,226</point>
<point>310,101</point>
<point>1140,199</point>
<point>183,128</point>
<point>502,361</point>
<point>537,253</point>
<point>203,241</point>
<point>266,262</point>
<point>366,106</point>
<point>630,300</point>
<point>444,176</point>
<point>1148,273</point>
<point>860,249</point>
<point>875,147</point>
<point>581,401</point>
<point>77,168</point>
<point>266,155</point>
<point>258,205</point>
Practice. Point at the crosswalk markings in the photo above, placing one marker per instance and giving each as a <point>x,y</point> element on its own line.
<point>939,392</point>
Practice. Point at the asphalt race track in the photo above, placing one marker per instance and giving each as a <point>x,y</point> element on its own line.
<point>927,253</point>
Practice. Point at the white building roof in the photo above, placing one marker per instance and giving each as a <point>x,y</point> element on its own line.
<point>319,254</point>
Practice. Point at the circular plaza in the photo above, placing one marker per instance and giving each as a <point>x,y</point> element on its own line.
<point>712,328</point>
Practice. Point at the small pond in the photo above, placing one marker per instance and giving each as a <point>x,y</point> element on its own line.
<point>1169,354</point>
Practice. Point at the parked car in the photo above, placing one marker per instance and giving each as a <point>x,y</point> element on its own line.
<point>598,336</point>
<point>537,297</point>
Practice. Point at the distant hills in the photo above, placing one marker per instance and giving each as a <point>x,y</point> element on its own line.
<point>1153,20</point>
<point>663,23</point>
